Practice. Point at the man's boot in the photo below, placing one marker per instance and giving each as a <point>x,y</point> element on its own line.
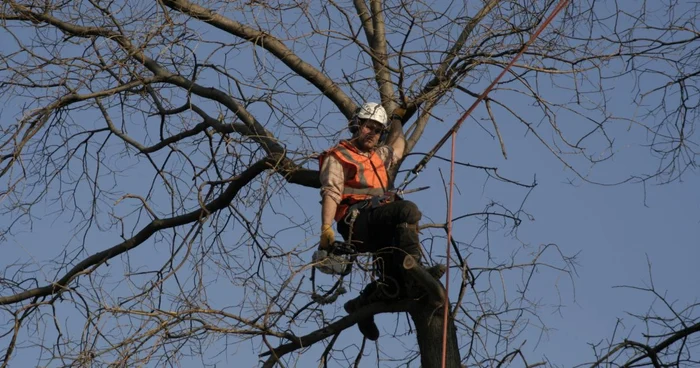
<point>367,326</point>
<point>436,271</point>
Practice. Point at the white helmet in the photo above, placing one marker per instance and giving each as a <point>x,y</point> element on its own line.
<point>373,111</point>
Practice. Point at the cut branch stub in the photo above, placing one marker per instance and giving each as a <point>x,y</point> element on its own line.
<point>435,290</point>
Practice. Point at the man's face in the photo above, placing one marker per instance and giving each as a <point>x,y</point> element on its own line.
<point>368,135</point>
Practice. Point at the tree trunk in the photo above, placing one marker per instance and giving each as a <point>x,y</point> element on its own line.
<point>428,319</point>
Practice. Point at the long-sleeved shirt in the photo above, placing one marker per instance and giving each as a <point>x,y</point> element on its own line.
<point>333,175</point>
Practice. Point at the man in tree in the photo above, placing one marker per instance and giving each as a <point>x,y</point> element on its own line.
<point>355,193</point>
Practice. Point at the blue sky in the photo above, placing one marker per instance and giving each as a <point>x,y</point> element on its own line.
<point>614,231</point>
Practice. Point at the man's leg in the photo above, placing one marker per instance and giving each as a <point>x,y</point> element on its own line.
<point>367,326</point>
<point>391,232</point>
<point>363,243</point>
<point>400,220</point>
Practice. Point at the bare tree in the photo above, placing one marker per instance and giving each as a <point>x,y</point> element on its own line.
<point>670,335</point>
<point>178,139</point>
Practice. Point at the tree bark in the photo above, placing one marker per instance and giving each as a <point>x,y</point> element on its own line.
<point>428,319</point>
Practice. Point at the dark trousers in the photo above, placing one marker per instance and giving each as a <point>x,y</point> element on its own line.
<point>389,231</point>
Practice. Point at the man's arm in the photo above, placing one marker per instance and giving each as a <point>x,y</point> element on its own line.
<point>396,139</point>
<point>332,182</point>
<point>328,208</point>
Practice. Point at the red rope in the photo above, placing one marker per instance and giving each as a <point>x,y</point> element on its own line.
<point>419,167</point>
<point>453,132</point>
<point>449,240</point>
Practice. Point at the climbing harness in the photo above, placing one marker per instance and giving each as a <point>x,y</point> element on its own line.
<point>343,254</point>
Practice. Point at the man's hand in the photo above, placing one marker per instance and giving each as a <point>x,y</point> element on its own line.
<point>398,113</point>
<point>327,237</point>
<point>324,260</point>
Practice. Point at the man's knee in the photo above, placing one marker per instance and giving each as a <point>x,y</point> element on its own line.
<point>409,212</point>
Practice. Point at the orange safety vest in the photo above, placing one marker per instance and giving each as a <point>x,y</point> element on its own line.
<point>366,177</point>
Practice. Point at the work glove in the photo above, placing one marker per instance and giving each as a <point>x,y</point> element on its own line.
<point>398,113</point>
<point>325,261</point>
<point>327,237</point>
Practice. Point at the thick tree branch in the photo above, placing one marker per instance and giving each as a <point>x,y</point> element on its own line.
<point>335,328</point>
<point>258,132</point>
<point>444,73</point>
<point>377,43</point>
<point>146,232</point>
<point>271,44</point>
